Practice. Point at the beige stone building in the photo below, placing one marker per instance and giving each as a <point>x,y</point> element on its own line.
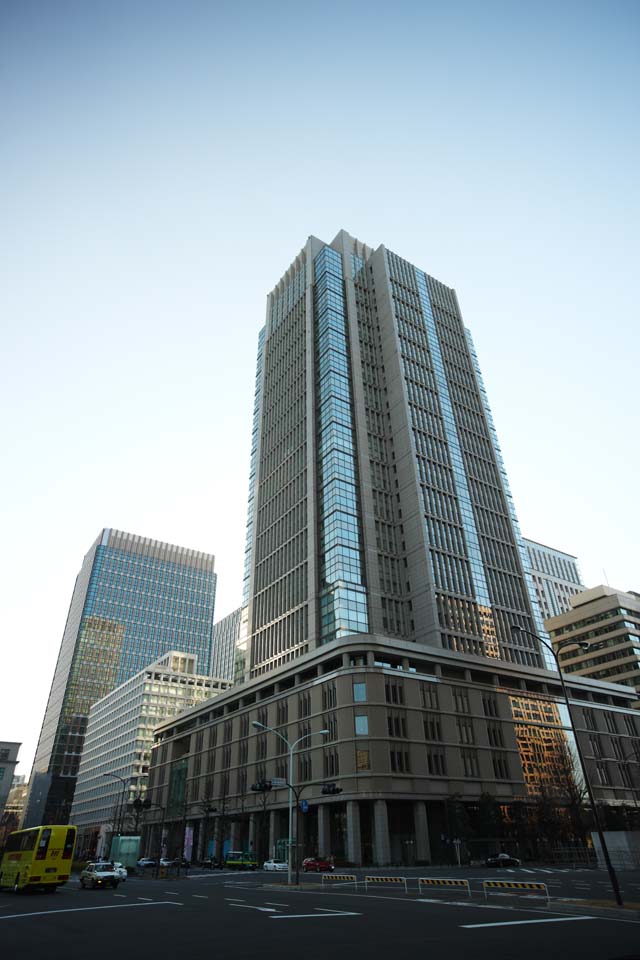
<point>409,729</point>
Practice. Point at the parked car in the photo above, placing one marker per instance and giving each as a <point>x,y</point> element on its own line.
<point>317,864</point>
<point>121,871</point>
<point>145,862</point>
<point>502,860</point>
<point>99,875</point>
<point>275,865</point>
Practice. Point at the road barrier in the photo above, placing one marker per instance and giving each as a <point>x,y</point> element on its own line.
<point>443,882</point>
<point>368,880</point>
<point>514,885</point>
<point>341,877</point>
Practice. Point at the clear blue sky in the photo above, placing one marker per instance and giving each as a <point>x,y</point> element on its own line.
<point>161,164</point>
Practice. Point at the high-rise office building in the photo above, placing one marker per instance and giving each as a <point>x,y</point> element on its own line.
<point>115,758</point>
<point>8,762</point>
<point>224,652</point>
<point>134,600</point>
<point>384,571</point>
<point>379,500</point>
<point>555,576</point>
<point>609,621</point>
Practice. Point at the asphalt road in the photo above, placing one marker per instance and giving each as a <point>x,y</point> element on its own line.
<point>230,915</point>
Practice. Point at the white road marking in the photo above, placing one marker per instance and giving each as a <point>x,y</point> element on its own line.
<point>249,906</point>
<point>115,906</point>
<point>315,916</point>
<point>148,899</point>
<point>170,893</point>
<point>199,896</point>
<point>271,903</point>
<point>120,895</point>
<point>518,923</point>
<point>238,899</point>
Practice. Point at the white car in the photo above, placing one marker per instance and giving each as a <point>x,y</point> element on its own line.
<point>275,865</point>
<point>99,875</point>
<point>146,862</point>
<point>121,871</point>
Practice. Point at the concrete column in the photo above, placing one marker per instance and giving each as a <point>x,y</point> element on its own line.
<point>273,823</point>
<point>324,833</point>
<point>421,826</point>
<point>252,833</point>
<point>381,845</point>
<point>354,841</point>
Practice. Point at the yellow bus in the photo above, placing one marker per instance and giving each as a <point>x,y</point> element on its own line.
<point>38,858</point>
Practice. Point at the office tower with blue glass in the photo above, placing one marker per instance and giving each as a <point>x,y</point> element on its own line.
<point>380,502</point>
<point>134,600</point>
<point>384,572</point>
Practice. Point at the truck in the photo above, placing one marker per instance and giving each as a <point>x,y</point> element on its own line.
<point>240,860</point>
<point>125,850</point>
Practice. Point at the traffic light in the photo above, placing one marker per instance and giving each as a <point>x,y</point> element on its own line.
<point>262,786</point>
<point>331,789</point>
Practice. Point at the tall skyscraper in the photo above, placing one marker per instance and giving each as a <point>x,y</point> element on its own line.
<point>134,600</point>
<point>384,571</point>
<point>224,653</point>
<point>379,501</point>
<point>555,576</point>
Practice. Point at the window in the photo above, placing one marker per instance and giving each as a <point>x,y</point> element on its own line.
<point>495,735</point>
<point>589,719</point>
<point>394,691</point>
<point>399,759</point>
<point>329,695</point>
<point>461,700</point>
<point>436,765</point>
<point>594,743</point>
<point>331,763</point>
<point>304,704</point>
<point>363,761</point>
<point>603,774</point>
<point>489,705</point>
<point>625,776</point>
<point>359,693</point>
<point>501,766</point>
<point>630,723</point>
<point>610,720</point>
<point>432,728</point>
<point>465,731</point>
<point>330,723</point>
<point>282,712</point>
<point>430,696</point>
<point>470,763</point>
<point>362,725</point>
<point>304,767</point>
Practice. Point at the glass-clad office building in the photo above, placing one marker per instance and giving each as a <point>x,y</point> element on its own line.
<point>134,600</point>
<point>379,502</point>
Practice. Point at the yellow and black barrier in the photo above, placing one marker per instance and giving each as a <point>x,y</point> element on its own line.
<point>368,880</point>
<point>443,882</point>
<point>340,877</point>
<point>517,886</point>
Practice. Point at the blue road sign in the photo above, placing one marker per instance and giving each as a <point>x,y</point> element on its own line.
<point>304,806</point>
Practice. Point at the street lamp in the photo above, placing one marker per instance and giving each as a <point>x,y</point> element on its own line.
<point>290,747</point>
<point>594,810</point>
<point>120,817</point>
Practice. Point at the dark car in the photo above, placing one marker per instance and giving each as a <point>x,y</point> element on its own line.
<point>317,864</point>
<point>502,860</point>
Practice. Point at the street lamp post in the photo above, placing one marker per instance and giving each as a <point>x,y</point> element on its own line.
<point>291,748</point>
<point>120,817</point>
<point>594,810</point>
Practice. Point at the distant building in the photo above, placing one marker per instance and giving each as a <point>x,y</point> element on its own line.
<point>117,746</point>
<point>13,809</point>
<point>609,620</point>
<point>226,635</point>
<point>134,600</point>
<point>8,761</point>
<point>555,576</point>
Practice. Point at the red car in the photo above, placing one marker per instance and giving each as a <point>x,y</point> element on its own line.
<point>317,864</point>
